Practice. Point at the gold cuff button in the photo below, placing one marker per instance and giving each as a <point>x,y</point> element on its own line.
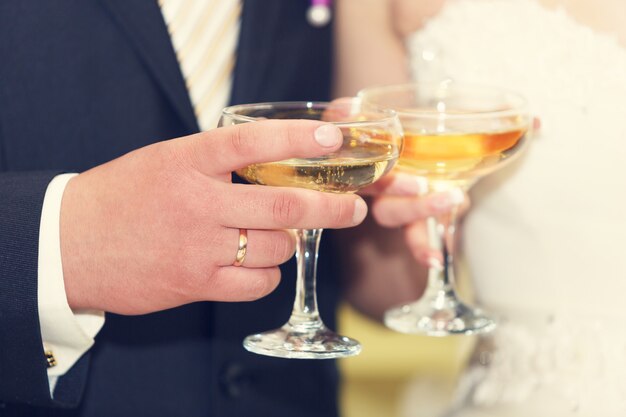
<point>50,358</point>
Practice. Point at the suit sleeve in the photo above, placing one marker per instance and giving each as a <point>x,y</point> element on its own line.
<point>23,367</point>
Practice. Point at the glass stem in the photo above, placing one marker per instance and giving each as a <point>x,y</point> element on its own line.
<point>441,232</point>
<point>305,314</point>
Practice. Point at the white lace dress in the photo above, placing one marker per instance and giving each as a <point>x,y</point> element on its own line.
<point>546,237</point>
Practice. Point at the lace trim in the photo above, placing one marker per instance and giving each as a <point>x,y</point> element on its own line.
<point>578,364</point>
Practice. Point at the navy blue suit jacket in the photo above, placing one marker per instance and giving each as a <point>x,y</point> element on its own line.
<point>83,82</point>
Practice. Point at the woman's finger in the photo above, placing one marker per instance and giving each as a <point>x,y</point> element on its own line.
<point>397,183</point>
<point>394,211</point>
<point>416,236</point>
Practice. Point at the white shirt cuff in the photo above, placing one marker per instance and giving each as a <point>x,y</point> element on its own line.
<point>67,334</point>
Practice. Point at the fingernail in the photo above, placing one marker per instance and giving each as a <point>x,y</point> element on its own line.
<point>327,135</point>
<point>405,184</point>
<point>457,196</point>
<point>435,263</point>
<point>360,211</point>
<point>448,199</point>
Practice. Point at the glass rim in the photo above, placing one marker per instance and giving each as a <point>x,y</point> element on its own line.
<point>387,115</point>
<point>520,106</point>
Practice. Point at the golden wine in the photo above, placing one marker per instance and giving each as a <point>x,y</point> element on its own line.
<point>345,172</point>
<point>458,156</point>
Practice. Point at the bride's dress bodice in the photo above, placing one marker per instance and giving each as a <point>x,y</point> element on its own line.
<point>546,237</point>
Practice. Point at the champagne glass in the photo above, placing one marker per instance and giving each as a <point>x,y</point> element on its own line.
<point>454,135</point>
<point>371,146</point>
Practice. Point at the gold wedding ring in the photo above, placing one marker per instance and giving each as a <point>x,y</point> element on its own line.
<point>243,247</point>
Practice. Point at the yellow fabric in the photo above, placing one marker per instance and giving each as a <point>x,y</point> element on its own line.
<point>374,383</point>
<point>379,382</point>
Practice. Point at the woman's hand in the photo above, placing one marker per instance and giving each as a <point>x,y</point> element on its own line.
<point>389,254</point>
<point>402,200</point>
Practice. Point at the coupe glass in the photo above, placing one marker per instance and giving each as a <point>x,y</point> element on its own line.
<point>371,147</point>
<point>454,135</point>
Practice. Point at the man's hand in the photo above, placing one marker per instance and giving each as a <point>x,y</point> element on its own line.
<point>159,227</point>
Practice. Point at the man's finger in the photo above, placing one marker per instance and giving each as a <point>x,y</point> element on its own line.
<point>264,207</point>
<point>234,283</point>
<point>227,149</point>
<point>264,248</point>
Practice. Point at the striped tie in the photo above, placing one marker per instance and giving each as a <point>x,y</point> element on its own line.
<point>204,34</point>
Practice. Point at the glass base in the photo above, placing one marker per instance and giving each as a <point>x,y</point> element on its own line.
<point>424,318</point>
<point>301,342</point>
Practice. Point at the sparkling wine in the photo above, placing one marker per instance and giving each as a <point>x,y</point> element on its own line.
<point>344,172</point>
<point>458,156</point>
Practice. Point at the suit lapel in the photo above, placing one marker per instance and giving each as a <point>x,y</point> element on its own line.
<point>259,22</point>
<point>143,23</point>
